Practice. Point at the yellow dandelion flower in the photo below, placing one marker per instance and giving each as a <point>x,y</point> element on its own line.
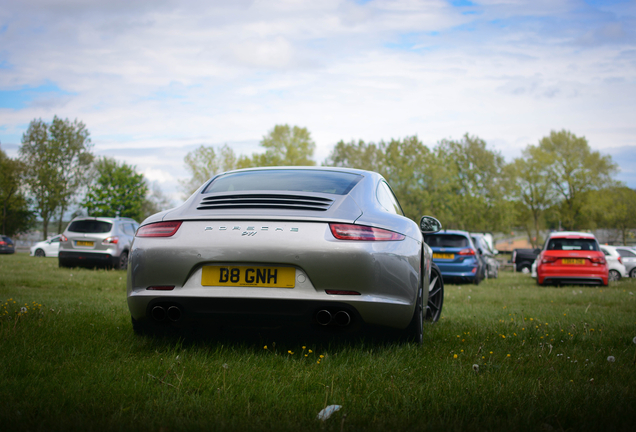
<point>310,351</point>
<point>304,347</point>
<point>490,352</point>
<point>265,347</point>
<point>322,356</point>
<point>508,355</point>
<point>454,355</point>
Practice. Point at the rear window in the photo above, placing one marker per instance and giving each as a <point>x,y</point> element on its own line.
<point>573,244</point>
<point>331,182</point>
<point>446,240</point>
<point>90,226</point>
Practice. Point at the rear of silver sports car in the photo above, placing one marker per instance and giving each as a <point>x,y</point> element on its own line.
<point>273,267</point>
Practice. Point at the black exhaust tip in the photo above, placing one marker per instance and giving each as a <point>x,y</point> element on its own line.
<point>323,317</point>
<point>342,318</point>
<point>174,313</point>
<point>158,313</point>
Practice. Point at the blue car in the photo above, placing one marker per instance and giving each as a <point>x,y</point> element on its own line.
<point>456,256</point>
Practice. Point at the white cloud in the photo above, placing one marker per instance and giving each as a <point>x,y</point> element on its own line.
<point>153,80</point>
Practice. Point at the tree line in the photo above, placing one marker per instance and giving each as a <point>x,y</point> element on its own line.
<point>56,170</point>
<point>558,183</point>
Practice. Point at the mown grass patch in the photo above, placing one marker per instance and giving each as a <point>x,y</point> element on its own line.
<point>507,354</point>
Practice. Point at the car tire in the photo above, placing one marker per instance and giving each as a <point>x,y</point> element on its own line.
<point>39,253</point>
<point>526,268</point>
<point>614,276</point>
<point>122,261</point>
<point>632,273</point>
<point>415,330</point>
<point>435,295</point>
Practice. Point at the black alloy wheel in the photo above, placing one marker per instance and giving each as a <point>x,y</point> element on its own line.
<point>122,262</point>
<point>39,253</point>
<point>435,295</point>
<point>632,273</point>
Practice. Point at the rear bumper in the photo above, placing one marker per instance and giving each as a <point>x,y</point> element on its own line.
<point>86,258</point>
<point>461,271</point>
<point>587,276</point>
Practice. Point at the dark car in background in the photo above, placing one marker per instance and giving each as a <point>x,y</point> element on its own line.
<point>456,256</point>
<point>6,245</point>
<point>523,259</point>
<point>97,241</point>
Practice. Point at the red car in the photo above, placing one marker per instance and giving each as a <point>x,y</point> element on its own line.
<point>572,257</point>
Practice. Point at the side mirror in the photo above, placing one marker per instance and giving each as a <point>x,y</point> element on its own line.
<point>429,225</point>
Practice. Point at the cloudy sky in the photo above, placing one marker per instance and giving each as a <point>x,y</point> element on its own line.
<point>155,79</point>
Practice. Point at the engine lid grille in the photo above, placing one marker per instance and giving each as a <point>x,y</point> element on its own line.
<point>265,201</point>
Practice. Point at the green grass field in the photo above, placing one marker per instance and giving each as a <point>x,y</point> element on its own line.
<point>506,355</point>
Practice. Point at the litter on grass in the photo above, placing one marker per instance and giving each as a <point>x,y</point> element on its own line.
<point>326,413</point>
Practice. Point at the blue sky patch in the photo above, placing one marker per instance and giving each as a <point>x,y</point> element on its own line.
<point>18,99</point>
<point>461,3</point>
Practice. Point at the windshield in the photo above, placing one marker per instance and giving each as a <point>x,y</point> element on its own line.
<point>446,240</point>
<point>331,182</point>
<point>573,244</point>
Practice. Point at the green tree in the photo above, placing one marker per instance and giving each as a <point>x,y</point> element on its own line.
<point>155,201</point>
<point>533,189</point>
<point>117,188</point>
<point>421,184</point>
<point>574,170</point>
<point>205,162</point>
<point>72,143</point>
<point>614,208</point>
<point>16,216</point>
<point>477,178</point>
<point>286,146</point>
<point>57,159</point>
<point>358,155</point>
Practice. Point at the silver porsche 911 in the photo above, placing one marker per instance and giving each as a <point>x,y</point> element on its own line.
<point>324,248</point>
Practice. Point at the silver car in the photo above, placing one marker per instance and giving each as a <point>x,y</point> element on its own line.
<point>628,256</point>
<point>324,248</point>
<point>97,241</point>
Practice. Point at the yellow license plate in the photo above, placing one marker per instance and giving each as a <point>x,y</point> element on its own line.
<point>85,243</point>
<point>573,261</point>
<point>444,256</point>
<point>248,276</point>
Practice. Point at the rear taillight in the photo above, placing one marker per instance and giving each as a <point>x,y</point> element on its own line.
<point>620,260</point>
<point>467,251</point>
<point>598,260</point>
<point>110,240</point>
<point>63,238</point>
<point>360,232</point>
<point>3,243</point>
<point>548,259</point>
<point>159,229</point>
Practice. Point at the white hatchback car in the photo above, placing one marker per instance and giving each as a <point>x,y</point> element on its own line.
<point>46,248</point>
<point>616,268</point>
